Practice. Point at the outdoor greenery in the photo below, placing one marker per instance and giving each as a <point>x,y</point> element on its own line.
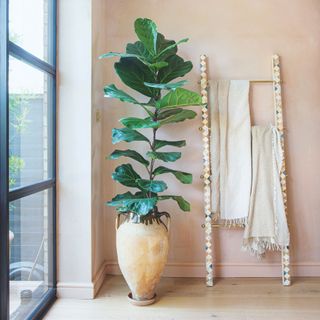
<point>148,66</point>
<point>18,122</point>
<point>18,113</point>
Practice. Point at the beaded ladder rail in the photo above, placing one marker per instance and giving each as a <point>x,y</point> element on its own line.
<point>206,170</point>
<point>205,129</point>
<point>285,256</point>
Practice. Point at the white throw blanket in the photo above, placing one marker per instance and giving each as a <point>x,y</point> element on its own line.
<point>230,150</point>
<point>266,227</point>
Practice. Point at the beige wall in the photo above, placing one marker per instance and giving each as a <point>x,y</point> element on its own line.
<point>81,229</point>
<point>74,154</point>
<point>98,79</point>
<point>239,37</point>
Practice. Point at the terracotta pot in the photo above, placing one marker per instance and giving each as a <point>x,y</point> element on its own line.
<point>142,254</point>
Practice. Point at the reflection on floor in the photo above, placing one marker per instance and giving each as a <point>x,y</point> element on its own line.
<point>189,299</point>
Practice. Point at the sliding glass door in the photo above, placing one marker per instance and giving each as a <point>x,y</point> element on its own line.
<point>27,157</point>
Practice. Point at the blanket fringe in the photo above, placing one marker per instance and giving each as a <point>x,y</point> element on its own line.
<point>239,222</point>
<point>258,246</point>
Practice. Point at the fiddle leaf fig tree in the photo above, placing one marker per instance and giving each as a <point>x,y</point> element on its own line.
<point>150,66</point>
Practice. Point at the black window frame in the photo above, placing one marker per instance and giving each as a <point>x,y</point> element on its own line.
<point>7,49</point>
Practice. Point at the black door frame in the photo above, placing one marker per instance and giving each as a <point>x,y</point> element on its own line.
<point>8,48</point>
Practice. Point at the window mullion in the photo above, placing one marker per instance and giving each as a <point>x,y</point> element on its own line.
<point>30,189</point>
<point>29,58</point>
<point>4,152</point>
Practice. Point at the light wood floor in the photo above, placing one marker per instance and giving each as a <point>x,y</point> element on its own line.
<point>189,299</point>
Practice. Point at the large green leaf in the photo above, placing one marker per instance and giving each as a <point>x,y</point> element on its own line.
<point>170,47</point>
<point>164,156</point>
<point>158,65</point>
<point>152,185</point>
<point>138,203</point>
<point>126,175</point>
<point>166,86</point>
<point>112,91</point>
<point>146,31</point>
<point>161,143</point>
<point>122,209</point>
<point>121,55</point>
<point>162,44</point>
<point>118,201</point>
<point>130,154</point>
<point>182,203</point>
<point>143,59</point>
<point>166,113</point>
<point>176,68</point>
<point>138,123</point>
<point>134,73</point>
<point>177,116</point>
<point>140,50</point>
<point>179,98</point>
<point>165,117</point>
<point>184,177</point>
<point>127,135</point>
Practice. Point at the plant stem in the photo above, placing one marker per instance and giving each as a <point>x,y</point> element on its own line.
<point>151,177</point>
<point>155,118</point>
<point>152,148</point>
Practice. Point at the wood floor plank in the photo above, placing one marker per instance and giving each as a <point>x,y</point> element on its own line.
<point>189,299</point>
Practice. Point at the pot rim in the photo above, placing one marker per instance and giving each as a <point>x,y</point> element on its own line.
<point>133,218</point>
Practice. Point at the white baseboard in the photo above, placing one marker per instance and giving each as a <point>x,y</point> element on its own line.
<point>98,279</point>
<point>79,290</point>
<point>75,290</point>
<point>306,269</point>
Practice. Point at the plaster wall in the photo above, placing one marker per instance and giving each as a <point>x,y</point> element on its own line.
<point>239,38</point>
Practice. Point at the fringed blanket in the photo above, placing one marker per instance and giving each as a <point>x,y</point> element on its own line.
<point>266,228</point>
<point>230,150</point>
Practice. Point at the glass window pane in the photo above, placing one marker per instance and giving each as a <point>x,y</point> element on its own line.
<point>30,252</point>
<point>29,124</point>
<point>29,26</point>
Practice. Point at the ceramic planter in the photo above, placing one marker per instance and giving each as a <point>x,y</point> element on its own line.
<point>142,254</point>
